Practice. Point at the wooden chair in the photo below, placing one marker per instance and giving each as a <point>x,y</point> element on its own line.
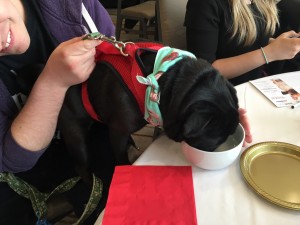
<point>144,13</point>
<point>170,20</point>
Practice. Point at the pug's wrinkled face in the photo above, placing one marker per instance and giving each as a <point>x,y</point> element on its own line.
<point>198,105</point>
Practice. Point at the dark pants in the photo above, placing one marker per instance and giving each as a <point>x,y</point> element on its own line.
<point>54,167</point>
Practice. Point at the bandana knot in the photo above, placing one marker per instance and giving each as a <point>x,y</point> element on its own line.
<point>165,58</point>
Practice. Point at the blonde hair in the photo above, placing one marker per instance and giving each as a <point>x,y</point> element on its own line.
<point>244,27</point>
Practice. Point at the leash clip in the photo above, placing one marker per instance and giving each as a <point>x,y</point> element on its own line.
<point>121,46</point>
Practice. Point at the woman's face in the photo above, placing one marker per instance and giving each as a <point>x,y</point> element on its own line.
<point>14,38</point>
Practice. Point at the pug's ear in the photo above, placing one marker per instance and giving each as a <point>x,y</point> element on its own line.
<point>195,124</point>
<point>187,126</point>
<point>174,131</point>
<point>191,131</point>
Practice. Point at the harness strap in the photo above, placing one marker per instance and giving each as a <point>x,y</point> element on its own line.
<point>87,103</point>
<point>126,66</point>
<point>39,199</point>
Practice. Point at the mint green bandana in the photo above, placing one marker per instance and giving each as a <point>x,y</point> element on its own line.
<point>165,58</point>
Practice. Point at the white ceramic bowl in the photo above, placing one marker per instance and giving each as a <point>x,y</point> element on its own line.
<point>222,157</point>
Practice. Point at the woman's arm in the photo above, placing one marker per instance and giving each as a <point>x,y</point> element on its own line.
<point>205,37</point>
<point>71,63</point>
<point>235,66</point>
<point>286,46</point>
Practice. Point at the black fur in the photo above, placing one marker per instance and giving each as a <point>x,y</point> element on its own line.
<point>197,104</point>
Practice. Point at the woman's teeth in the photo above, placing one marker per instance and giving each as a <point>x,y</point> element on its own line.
<point>8,40</point>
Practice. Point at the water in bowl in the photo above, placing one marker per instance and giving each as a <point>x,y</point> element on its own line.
<point>230,143</point>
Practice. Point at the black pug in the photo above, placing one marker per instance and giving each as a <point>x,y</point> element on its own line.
<point>197,104</point>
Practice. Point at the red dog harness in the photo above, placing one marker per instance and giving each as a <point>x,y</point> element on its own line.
<point>126,66</point>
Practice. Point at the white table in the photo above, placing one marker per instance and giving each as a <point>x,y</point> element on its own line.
<point>223,197</point>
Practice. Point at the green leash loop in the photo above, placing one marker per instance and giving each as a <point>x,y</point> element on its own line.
<point>38,199</point>
<point>94,199</point>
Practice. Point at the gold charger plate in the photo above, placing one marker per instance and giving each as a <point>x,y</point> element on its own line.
<point>272,169</point>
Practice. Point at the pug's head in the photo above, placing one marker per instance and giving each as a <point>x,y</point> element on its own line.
<point>198,105</point>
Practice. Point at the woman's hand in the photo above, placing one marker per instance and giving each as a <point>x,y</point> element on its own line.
<point>246,125</point>
<point>285,46</point>
<point>71,62</point>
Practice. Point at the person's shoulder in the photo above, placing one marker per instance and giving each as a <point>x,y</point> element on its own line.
<point>206,3</point>
<point>210,8</point>
<point>206,6</point>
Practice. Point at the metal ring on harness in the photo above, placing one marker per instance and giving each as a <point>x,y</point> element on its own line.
<point>121,46</point>
<point>118,44</point>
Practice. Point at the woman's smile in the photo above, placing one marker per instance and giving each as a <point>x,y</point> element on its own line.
<point>6,43</point>
<point>11,26</point>
<point>8,40</point>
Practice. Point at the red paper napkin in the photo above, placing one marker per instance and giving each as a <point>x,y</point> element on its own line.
<point>151,195</point>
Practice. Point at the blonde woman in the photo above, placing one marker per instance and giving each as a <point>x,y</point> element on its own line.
<point>236,36</point>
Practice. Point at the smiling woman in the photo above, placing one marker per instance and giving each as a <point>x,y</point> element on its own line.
<point>34,53</point>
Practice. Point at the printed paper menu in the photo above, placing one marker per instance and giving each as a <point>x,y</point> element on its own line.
<point>283,89</point>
